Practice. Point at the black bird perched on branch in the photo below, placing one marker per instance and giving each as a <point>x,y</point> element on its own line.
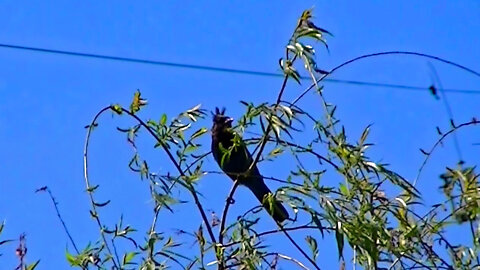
<point>237,162</point>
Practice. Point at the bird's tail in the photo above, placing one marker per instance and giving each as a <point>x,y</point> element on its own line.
<point>275,209</point>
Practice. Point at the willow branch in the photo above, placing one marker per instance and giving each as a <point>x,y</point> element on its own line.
<point>302,227</point>
<point>439,141</point>
<point>94,212</point>
<point>179,169</point>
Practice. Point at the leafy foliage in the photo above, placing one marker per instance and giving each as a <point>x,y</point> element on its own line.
<point>372,212</point>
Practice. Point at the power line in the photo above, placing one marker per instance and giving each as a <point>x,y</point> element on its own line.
<point>220,69</point>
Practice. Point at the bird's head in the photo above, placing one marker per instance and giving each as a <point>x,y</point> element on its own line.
<point>221,120</point>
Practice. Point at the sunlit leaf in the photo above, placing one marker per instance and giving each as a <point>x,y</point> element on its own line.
<point>199,133</point>
<point>116,108</point>
<point>127,258</point>
<point>137,102</point>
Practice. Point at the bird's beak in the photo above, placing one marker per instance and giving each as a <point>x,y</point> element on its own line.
<point>229,120</point>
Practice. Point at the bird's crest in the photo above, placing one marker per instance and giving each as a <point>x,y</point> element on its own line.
<point>220,118</point>
<point>218,111</point>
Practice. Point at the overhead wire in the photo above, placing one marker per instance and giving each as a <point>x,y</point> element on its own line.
<point>222,69</point>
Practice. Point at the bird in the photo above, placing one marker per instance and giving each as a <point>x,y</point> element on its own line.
<point>236,163</point>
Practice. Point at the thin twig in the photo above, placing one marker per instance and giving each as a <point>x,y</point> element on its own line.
<point>115,252</point>
<point>228,202</point>
<point>439,141</point>
<point>55,205</point>
<point>200,158</point>
<point>288,258</point>
<point>448,109</point>
<point>302,227</point>
<point>298,247</point>
<point>21,252</point>
<point>285,257</point>
<point>221,232</point>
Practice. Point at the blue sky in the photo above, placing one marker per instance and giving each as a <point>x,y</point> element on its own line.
<point>46,100</point>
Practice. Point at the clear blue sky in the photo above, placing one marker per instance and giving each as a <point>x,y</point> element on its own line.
<point>46,100</point>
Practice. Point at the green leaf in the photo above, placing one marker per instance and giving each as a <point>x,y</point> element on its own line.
<point>364,136</point>
<point>289,70</point>
<point>199,133</point>
<point>116,108</point>
<point>194,109</point>
<point>312,243</point>
<point>340,239</point>
<point>163,120</point>
<point>181,128</point>
<point>165,201</point>
<point>129,257</point>
<point>344,190</point>
<point>275,152</point>
<point>171,243</point>
<point>71,259</point>
<point>190,148</point>
<point>201,239</point>
<point>33,265</point>
<point>137,102</point>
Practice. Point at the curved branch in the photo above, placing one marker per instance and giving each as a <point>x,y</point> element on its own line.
<point>302,227</point>
<point>94,212</point>
<point>320,157</point>
<point>169,154</point>
<point>200,158</point>
<point>298,247</point>
<point>177,166</point>
<point>381,54</point>
<point>429,153</point>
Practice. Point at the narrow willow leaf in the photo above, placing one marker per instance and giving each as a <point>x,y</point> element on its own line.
<point>194,109</point>
<point>198,133</point>
<point>364,136</point>
<point>71,259</point>
<point>452,123</point>
<point>312,243</point>
<point>101,204</point>
<point>127,258</point>
<point>344,190</point>
<point>33,265</point>
<point>424,152</point>
<point>318,223</point>
<point>163,120</point>
<point>275,152</point>
<point>340,239</point>
<point>191,148</point>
